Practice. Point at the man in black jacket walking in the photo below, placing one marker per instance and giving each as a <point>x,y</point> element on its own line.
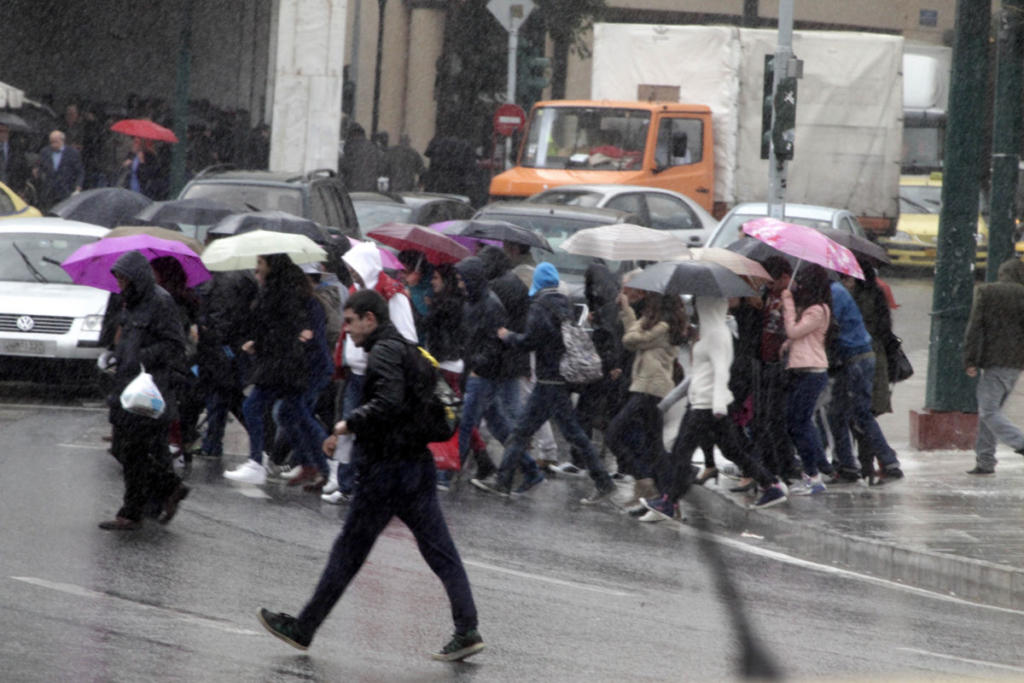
<point>151,337</point>
<point>396,479</point>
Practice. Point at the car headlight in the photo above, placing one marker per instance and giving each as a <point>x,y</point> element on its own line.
<point>903,236</point>
<point>92,323</point>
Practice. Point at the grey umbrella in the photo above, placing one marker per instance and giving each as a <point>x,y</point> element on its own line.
<point>106,206</point>
<point>196,211</point>
<point>14,122</point>
<point>274,221</point>
<point>699,278</point>
<point>856,244</point>
<point>502,231</point>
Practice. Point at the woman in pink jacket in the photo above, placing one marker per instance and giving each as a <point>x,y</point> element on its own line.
<point>806,312</point>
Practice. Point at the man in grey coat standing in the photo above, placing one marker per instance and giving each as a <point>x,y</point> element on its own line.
<point>994,354</point>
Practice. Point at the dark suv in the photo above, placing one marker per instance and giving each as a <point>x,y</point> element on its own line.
<point>319,195</point>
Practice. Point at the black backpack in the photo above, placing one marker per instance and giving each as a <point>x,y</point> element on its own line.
<point>438,408</point>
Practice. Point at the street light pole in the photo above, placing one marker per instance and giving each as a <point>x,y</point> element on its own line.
<point>1006,132</point>
<point>949,389</point>
<point>782,65</point>
<point>382,5</point>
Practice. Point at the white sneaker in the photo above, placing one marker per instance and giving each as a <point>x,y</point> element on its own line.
<point>289,473</point>
<point>248,472</point>
<point>273,471</point>
<point>332,478</point>
<point>569,469</point>
<point>336,498</point>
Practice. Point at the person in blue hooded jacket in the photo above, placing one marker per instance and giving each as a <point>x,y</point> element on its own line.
<point>550,397</point>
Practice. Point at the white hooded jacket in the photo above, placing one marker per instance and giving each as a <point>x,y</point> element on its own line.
<point>364,258</point>
<point>712,357</point>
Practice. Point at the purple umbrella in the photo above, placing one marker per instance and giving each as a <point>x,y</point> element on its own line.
<point>90,264</point>
<point>471,243</point>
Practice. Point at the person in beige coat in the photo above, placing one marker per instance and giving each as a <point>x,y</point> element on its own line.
<point>634,434</point>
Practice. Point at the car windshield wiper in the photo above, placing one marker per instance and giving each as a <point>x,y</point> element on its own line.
<point>28,262</point>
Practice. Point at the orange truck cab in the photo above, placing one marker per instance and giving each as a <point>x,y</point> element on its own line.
<point>658,144</point>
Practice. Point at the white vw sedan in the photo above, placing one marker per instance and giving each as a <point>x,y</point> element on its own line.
<point>44,318</point>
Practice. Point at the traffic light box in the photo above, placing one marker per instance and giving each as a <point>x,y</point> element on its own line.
<point>532,76</point>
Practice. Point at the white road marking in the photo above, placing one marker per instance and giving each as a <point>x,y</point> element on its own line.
<point>966,660</point>
<point>838,571</point>
<point>48,406</point>
<point>82,592</point>
<point>93,447</point>
<point>548,579</point>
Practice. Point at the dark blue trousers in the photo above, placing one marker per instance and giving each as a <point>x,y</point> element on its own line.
<point>384,490</point>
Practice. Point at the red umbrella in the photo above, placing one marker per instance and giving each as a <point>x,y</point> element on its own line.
<point>436,247</point>
<point>145,129</point>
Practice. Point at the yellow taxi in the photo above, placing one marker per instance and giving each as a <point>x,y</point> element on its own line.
<point>12,205</point>
<point>917,232</point>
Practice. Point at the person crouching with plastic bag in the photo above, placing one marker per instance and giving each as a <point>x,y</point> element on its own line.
<point>150,340</point>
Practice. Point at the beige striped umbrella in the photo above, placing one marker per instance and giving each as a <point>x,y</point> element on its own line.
<point>626,242</point>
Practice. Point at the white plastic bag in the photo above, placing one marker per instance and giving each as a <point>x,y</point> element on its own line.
<point>343,449</point>
<point>142,397</point>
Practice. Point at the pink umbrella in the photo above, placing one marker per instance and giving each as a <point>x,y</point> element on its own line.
<point>438,248</point>
<point>90,264</point>
<point>388,258</point>
<point>804,243</point>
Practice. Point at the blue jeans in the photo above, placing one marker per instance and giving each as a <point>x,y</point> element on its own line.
<point>350,401</point>
<point>495,400</point>
<point>548,402</point>
<point>297,422</point>
<point>804,388</point>
<point>850,408</point>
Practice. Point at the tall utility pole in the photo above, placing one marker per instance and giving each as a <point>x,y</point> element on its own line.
<point>949,389</point>
<point>1006,134</point>
<point>180,149</point>
<point>382,5</point>
<point>785,70</point>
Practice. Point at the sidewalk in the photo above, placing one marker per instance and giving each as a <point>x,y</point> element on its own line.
<point>938,529</point>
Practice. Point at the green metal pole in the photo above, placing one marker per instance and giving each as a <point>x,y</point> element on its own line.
<point>948,388</point>
<point>1005,137</point>
<point>180,149</point>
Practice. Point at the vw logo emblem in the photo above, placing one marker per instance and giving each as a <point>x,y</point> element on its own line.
<point>26,323</point>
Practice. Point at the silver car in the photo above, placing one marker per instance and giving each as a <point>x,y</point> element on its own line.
<point>43,316</point>
<point>651,206</point>
<point>728,231</point>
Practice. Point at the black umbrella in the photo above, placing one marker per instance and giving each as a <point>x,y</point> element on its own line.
<point>699,278</point>
<point>275,221</point>
<point>860,246</point>
<point>106,206</point>
<point>757,250</point>
<point>196,211</point>
<point>502,231</point>
<point>14,122</point>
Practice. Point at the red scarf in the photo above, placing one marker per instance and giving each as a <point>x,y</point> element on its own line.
<point>387,287</point>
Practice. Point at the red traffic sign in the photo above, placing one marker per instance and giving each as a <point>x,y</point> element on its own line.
<point>509,119</point>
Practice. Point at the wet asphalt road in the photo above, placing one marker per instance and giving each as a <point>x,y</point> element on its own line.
<point>564,593</point>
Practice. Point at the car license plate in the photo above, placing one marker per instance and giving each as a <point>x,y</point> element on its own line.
<point>24,347</point>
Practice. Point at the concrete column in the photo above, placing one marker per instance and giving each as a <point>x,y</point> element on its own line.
<point>307,80</point>
<point>426,38</point>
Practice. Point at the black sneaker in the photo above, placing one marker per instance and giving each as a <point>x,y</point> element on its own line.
<point>980,470</point>
<point>844,476</point>
<point>889,476</point>
<point>461,645</point>
<point>285,627</point>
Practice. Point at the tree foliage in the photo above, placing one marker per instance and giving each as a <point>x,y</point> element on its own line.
<point>471,71</point>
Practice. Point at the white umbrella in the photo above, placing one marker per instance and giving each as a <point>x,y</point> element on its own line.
<point>239,252</point>
<point>737,263</point>
<point>626,242</point>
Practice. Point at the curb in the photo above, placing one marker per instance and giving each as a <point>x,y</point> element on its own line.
<point>975,580</point>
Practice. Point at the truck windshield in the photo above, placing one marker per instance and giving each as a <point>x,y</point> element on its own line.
<point>596,138</point>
